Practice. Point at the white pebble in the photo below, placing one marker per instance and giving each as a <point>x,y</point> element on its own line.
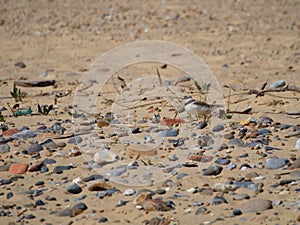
<point>297,146</point>
<point>105,156</point>
<point>129,192</point>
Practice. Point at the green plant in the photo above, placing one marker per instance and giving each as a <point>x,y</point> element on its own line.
<point>18,94</point>
<point>2,118</point>
<point>44,109</point>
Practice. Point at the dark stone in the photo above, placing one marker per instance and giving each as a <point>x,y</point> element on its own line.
<point>74,189</point>
<point>218,200</point>
<point>222,161</point>
<point>103,220</point>
<point>34,148</point>
<point>213,170</point>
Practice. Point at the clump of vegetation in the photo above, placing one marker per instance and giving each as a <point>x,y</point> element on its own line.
<point>2,118</point>
<point>44,109</point>
<point>17,94</point>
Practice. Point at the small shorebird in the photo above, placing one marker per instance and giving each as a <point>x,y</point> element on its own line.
<point>198,108</point>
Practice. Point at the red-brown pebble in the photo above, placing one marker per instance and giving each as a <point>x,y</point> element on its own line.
<point>18,168</point>
<point>36,167</point>
<point>10,132</point>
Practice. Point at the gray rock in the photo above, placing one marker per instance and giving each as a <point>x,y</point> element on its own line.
<point>213,170</point>
<point>167,133</point>
<point>60,169</point>
<point>65,212</point>
<point>44,169</point>
<point>34,148</point>
<point>239,197</point>
<point>49,161</point>
<point>277,84</point>
<point>47,143</point>
<point>201,210</point>
<point>256,205</point>
<point>274,163</point>
<point>222,161</point>
<point>236,141</point>
<point>218,128</point>
<point>217,200</point>
<point>75,140</point>
<point>24,134</point>
<point>81,206</point>
<point>4,148</point>
<point>74,188</point>
<point>117,172</point>
<point>231,166</point>
<point>264,120</point>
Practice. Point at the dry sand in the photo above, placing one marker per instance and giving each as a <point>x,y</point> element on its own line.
<point>244,43</point>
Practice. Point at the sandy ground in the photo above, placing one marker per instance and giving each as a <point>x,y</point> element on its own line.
<point>244,43</point>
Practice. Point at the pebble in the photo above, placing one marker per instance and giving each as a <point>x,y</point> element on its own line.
<point>9,195</point>
<point>135,130</point>
<point>100,186</point>
<point>24,134</point>
<point>264,120</point>
<point>236,141</point>
<point>30,216</point>
<point>212,170</point>
<point>34,148</point>
<point>202,125</point>
<point>217,200</point>
<point>181,175</point>
<point>60,169</point>
<point>36,167</point>
<point>44,169</point>
<point>39,202</point>
<point>231,166</point>
<point>220,187</point>
<point>274,163</point>
<point>236,212</point>
<point>18,168</point>
<point>256,205</point>
<point>10,132</point>
<point>103,220</point>
<point>92,177</point>
<point>167,133</point>
<point>20,64</point>
<point>277,84</point>
<point>218,128</point>
<point>297,146</point>
<point>229,136</point>
<point>129,192</point>
<point>117,172</point>
<point>287,181</point>
<point>78,199</point>
<point>105,156</point>
<point>240,197</point>
<point>75,140</point>
<point>47,143</point>
<point>82,206</point>
<point>295,164</point>
<point>222,161</point>
<point>74,188</point>
<point>201,210</point>
<point>49,161</point>
<point>4,148</point>
<point>172,157</point>
<point>39,183</point>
